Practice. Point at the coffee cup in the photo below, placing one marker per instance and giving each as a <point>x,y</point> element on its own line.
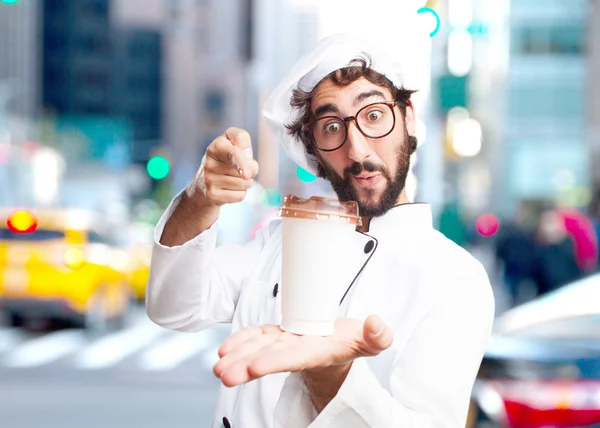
<point>317,244</point>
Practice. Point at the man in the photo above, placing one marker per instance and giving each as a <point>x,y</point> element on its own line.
<point>413,328</point>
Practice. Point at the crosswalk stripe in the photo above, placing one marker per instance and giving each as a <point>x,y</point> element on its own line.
<point>43,350</point>
<point>113,348</point>
<point>10,338</point>
<point>174,351</point>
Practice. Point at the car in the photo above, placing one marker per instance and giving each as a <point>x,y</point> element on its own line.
<point>61,264</point>
<point>542,365</point>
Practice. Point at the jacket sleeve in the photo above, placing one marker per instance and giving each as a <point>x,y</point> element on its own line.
<point>196,285</point>
<point>430,383</point>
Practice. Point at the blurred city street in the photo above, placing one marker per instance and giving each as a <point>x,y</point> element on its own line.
<point>107,108</point>
<point>142,375</point>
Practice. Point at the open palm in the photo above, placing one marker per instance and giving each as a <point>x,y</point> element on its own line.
<point>254,352</point>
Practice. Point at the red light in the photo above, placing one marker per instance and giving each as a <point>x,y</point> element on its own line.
<point>21,222</point>
<point>487,225</point>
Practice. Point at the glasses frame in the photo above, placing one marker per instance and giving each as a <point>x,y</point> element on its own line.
<point>308,128</point>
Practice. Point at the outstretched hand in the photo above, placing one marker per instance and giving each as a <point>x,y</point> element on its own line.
<point>255,352</point>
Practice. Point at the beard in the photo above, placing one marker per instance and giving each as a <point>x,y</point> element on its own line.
<point>369,205</point>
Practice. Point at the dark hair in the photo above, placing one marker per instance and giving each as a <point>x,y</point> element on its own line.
<point>357,68</point>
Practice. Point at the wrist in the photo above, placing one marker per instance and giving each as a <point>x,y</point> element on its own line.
<point>193,215</point>
<point>324,384</point>
<point>331,372</point>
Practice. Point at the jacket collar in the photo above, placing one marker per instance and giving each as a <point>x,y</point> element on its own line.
<point>411,216</point>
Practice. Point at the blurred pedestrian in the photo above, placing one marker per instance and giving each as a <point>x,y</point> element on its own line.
<point>582,231</point>
<point>556,261</point>
<point>515,250</point>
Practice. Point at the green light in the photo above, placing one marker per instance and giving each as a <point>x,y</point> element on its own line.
<point>10,1</point>
<point>158,167</point>
<point>273,197</point>
<point>304,175</point>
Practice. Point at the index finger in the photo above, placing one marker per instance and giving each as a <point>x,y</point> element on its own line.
<point>240,139</point>
<point>224,151</point>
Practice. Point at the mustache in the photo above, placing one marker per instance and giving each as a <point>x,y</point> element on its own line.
<point>357,167</point>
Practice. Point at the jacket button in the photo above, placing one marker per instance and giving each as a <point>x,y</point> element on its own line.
<point>226,423</point>
<point>275,290</point>
<point>369,246</point>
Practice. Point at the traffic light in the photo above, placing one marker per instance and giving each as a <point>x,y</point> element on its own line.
<point>10,1</point>
<point>158,167</point>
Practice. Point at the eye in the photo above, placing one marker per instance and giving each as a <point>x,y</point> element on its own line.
<point>374,115</point>
<point>332,128</point>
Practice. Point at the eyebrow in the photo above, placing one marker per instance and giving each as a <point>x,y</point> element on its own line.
<point>326,108</point>
<point>332,108</point>
<point>363,96</point>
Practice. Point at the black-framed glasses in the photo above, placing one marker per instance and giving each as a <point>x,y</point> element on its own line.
<point>376,120</point>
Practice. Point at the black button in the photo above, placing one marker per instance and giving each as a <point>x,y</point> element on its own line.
<point>369,246</point>
<point>275,290</point>
<point>226,423</point>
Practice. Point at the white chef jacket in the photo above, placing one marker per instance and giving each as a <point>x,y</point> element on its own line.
<point>433,294</point>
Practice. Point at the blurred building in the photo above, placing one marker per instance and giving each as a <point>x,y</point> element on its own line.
<point>101,79</point>
<point>545,155</point>
<point>20,54</point>
<point>471,95</point>
<point>136,86</point>
<point>207,50</point>
<point>77,57</point>
<point>518,70</point>
<point>284,31</point>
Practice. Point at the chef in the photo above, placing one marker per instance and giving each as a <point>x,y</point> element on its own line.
<point>415,322</point>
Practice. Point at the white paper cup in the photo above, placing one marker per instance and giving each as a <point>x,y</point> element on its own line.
<point>318,235</point>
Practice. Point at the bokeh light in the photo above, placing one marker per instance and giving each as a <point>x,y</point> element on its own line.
<point>21,222</point>
<point>158,167</point>
<point>487,225</point>
<point>304,175</point>
<point>273,197</point>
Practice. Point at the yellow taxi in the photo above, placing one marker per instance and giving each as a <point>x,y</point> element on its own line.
<point>60,264</point>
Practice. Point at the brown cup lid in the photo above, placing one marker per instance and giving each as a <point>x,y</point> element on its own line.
<point>319,208</point>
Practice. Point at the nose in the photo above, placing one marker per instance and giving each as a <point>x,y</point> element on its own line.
<point>358,145</point>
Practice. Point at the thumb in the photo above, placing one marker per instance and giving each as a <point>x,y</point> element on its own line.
<point>376,334</point>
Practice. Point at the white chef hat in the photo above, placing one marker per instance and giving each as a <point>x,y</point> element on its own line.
<point>330,54</point>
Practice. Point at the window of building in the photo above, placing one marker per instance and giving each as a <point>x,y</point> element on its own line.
<point>547,101</point>
<point>95,108</point>
<point>54,42</point>
<point>54,77</point>
<point>136,83</point>
<point>564,39</point>
<point>92,8</point>
<point>94,44</point>
<point>174,10</point>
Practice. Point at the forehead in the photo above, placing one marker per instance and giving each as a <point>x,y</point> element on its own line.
<point>328,92</point>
